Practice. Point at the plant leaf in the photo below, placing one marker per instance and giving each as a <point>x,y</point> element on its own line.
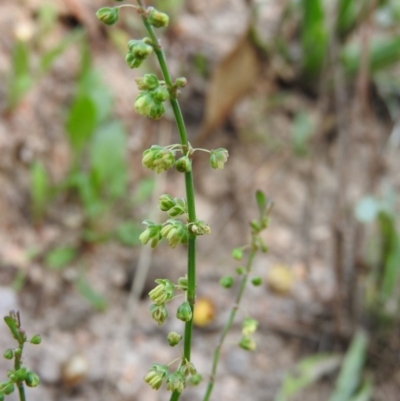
<point>59,257</point>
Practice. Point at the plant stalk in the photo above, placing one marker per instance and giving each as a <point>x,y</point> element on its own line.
<point>191,263</point>
<point>17,366</point>
<point>228,325</point>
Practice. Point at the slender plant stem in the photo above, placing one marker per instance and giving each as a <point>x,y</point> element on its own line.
<point>17,366</point>
<point>228,325</point>
<point>191,269</point>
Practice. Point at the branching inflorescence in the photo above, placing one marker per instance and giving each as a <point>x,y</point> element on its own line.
<point>182,225</point>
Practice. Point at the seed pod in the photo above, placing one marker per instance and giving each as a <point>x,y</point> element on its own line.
<point>108,15</point>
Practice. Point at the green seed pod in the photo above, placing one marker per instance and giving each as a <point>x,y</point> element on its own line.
<point>226,282</point>
<point>157,18</point>
<point>32,379</point>
<point>166,202</point>
<point>160,94</point>
<point>237,254</point>
<point>108,15</point>
<point>173,338</point>
<point>183,164</point>
<point>247,343</point>
<point>195,380</point>
<point>36,339</point>
<point>184,312</point>
<point>256,281</point>
<point>8,354</point>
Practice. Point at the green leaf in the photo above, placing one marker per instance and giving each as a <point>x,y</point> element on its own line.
<point>40,190</point>
<point>261,202</point>
<point>20,80</point>
<point>390,253</point>
<point>81,122</point>
<point>365,391</point>
<point>351,371</point>
<point>92,296</point>
<point>107,156</point>
<point>13,326</point>
<point>306,372</point>
<point>144,190</point>
<point>314,36</point>
<point>59,257</point>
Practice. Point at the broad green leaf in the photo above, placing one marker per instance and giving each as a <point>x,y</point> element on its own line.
<point>390,253</point>
<point>365,391</point>
<point>58,258</point>
<point>307,372</point>
<point>314,36</point>
<point>92,296</point>
<point>40,190</point>
<point>13,326</point>
<point>81,122</point>
<point>261,202</point>
<point>107,158</point>
<point>20,80</point>
<point>351,371</point>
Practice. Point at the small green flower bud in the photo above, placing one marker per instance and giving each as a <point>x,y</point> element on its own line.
<point>255,225</point>
<point>184,164</point>
<point>18,351</point>
<point>157,110</point>
<point>163,292</point>
<point>184,312</point>
<point>173,338</point>
<point>159,313</point>
<point>166,202</point>
<point>247,343</point>
<point>8,388</point>
<point>200,228</point>
<point>155,376</point>
<point>181,82</point>
<point>157,18</point>
<point>32,379</point>
<point>195,380</point>
<point>152,234</point>
<point>175,232</point>
<point>143,104</point>
<point>148,82</point>
<point>139,49</point>
<point>176,382</point>
<point>132,61</point>
<point>218,158</point>
<point>249,326</point>
<point>21,374</point>
<point>108,15</point>
<point>256,281</point>
<point>240,270</point>
<point>226,282</point>
<point>160,94</point>
<point>187,368</point>
<point>36,339</point>
<point>183,283</point>
<point>158,159</point>
<point>179,208</point>
<point>2,397</point>
<point>237,254</point>
<point>8,354</point>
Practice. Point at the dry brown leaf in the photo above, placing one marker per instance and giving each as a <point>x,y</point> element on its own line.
<point>233,77</point>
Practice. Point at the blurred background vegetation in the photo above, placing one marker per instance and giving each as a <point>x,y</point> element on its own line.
<point>305,95</point>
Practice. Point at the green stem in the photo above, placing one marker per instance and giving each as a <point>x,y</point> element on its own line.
<point>228,326</point>
<point>191,269</point>
<point>17,366</point>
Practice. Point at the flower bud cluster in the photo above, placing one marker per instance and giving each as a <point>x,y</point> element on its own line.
<point>158,159</point>
<point>184,312</point>
<point>249,326</point>
<point>200,228</point>
<point>218,158</point>
<point>157,373</point>
<point>151,234</point>
<point>150,101</point>
<point>138,51</point>
<point>174,206</point>
<point>175,232</point>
